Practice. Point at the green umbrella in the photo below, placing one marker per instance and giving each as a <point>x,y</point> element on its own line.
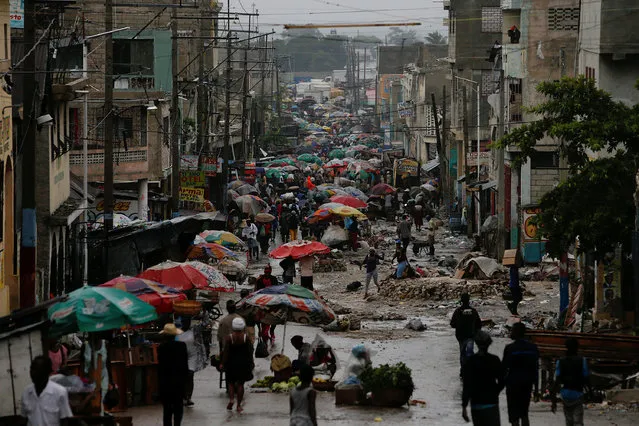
<point>273,173</point>
<point>337,153</point>
<point>98,309</point>
<point>310,158</point>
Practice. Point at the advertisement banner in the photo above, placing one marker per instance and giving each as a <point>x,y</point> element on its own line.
<point>192,178</point>
<point>406,167</point>
<point>192,194</point>
<point>16,13</point>
<point>189,162</point>
<point>208,165</point>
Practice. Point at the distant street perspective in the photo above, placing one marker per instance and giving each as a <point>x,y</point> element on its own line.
<point>319,213</point>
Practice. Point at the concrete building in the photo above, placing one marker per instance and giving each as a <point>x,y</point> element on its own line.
<point>608,54</point>
<point>9,289</point>
<point>545,50</point>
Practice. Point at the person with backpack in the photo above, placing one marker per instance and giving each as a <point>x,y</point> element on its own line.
<point>264,235</point>
<point>571,380</point>
<point>466,323</point>
<point>521,366</point>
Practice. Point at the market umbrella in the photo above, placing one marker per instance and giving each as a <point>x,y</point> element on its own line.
<point>281,162</point>
<point>429,187</point>
<point>354,192</point>
<point>206,251</point>
<point>232,194</point>
<point>346,211</point>
<point>350,201</point>
<point>232,269</point>
<point>225,238</point>
<point>236,184</point>
<point>159,296</point>
<point>282,303</point>
<point>299,249</point>
<point>264,217</point>
<point>310,158</point>
<point>329,205</point>
<point>273,173</point>
<point>188,276</point>
<point>247,189</point>
<point>90,309</point>
<point>290,168</point>
<point>250,204</point>
<point>336,153</point>
<point>335,164</point>
<point>358,147</point>
<point>382,189</point>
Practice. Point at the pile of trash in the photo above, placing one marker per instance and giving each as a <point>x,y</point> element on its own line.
<point>331,262</point>
<point>440,288</point>
<point>477,267</point>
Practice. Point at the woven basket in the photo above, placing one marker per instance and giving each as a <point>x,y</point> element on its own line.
<point>187,307</point>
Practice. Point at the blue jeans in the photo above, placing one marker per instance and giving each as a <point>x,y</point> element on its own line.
<point>466,350</point>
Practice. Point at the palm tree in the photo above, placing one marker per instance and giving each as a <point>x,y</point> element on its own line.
<point>436,38</point>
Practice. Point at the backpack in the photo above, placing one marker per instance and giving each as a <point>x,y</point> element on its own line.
<point>262,231</point>
<point>261,350</point>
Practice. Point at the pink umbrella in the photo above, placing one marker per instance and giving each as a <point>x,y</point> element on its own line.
<point>299,249</point>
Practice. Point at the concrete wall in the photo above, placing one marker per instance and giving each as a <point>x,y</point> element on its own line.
<point>470,42</point>
<point>617,32</point>
<point>618,77</point>
<point>542,181</point>
<point>59,178</point>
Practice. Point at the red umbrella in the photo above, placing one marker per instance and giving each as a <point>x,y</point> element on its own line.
<point>347,200</point>
<point>299,249</point>
<point>188,276</point>
<point>159,296</point>
<point>382,189</point>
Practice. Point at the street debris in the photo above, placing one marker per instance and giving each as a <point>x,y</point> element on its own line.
<point>415,324</point>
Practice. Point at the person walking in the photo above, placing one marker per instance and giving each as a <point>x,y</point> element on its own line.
<point>196,356</point>
<point>483,380</point>
<point>284,226</point>
<point>521,367</point>
<point>288,267</point>
<point>418,217</point>
<point>302,400</point>
<point>264,236</point>
<point>404,231</point>
<point>44,402</point>
<point>466,323</point>
<point>249,234</point>
<point>267,279</point>
<point>173,371</point>
<point>515,288</point>
<point>571,379</point>
<point>293,223</point>
<point>371,261</point>
<point>224,329</point>
<point>306,271</point>
<point>237,362</point>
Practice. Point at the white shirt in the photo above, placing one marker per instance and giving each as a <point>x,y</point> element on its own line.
<point>306,266</point>
<point>250,232</point>
<point>189,339</point>
<point>48,408</point>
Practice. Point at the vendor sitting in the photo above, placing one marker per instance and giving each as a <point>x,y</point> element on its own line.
<point>303,352</point>
<point>322,358</point>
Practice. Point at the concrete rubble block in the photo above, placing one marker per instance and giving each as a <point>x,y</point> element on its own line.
<point>622,395</point>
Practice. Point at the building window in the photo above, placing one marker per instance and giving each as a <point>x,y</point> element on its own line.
<point>69,57</point>
<point>491,19</point>
<point>544,160</point>
<point>590,73</point>
<point>489,82</point>
<point>133,57</point>
<point>515,100</point>
<point>563,19</point>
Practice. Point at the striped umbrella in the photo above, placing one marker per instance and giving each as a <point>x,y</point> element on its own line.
<point>159,296</point>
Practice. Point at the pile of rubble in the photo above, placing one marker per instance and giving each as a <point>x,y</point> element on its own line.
<point>440,288</point>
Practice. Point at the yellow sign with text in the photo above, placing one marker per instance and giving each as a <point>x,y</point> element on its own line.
<point>192,194</point>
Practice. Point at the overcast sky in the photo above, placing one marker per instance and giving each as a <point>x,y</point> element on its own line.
<point>272,12</point>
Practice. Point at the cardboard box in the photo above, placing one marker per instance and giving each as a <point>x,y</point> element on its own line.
<point>511,257</point>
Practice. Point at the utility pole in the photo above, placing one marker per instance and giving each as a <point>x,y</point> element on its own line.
<point>364,79</point>
<point>28,238</point>
<point>467,148</point>
<point>108,132</point>
<point>357,85</point>
<point>175,118</point>
<point>227,119</point>
<point>202,101</point>
<point>245,83</point>
<point>443,162</point>
<point>449,184</point>
<point>501,187</point>
<point>278,98</point>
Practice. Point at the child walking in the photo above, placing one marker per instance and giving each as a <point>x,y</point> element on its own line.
<point>303,400</point>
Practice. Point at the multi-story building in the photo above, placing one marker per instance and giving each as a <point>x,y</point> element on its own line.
<point>608,48</point>
<point>539,43</point>
<point>9,290</point>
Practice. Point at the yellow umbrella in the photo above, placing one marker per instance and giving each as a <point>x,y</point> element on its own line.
<point>346,211</point>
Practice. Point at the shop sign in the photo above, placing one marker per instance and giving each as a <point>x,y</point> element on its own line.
<point>189,162</point>
<point>209,165</point>
<point>192,178</point>
<point>406,167</point>
<point>530,229</point>
<point>192,194</point>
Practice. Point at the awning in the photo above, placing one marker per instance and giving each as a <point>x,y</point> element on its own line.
<point>489,185</point>
<point>431,165</point>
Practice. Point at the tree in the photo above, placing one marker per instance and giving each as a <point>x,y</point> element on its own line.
<point>400,37</point>
<point>436,38</point>
<point>595,203</point>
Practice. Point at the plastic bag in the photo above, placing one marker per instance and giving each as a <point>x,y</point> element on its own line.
<point>334,235</point>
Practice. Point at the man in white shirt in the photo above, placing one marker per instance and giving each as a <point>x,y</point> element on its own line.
<point>250,235</point>
<point>45,403</point>
<point>306,272</point>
